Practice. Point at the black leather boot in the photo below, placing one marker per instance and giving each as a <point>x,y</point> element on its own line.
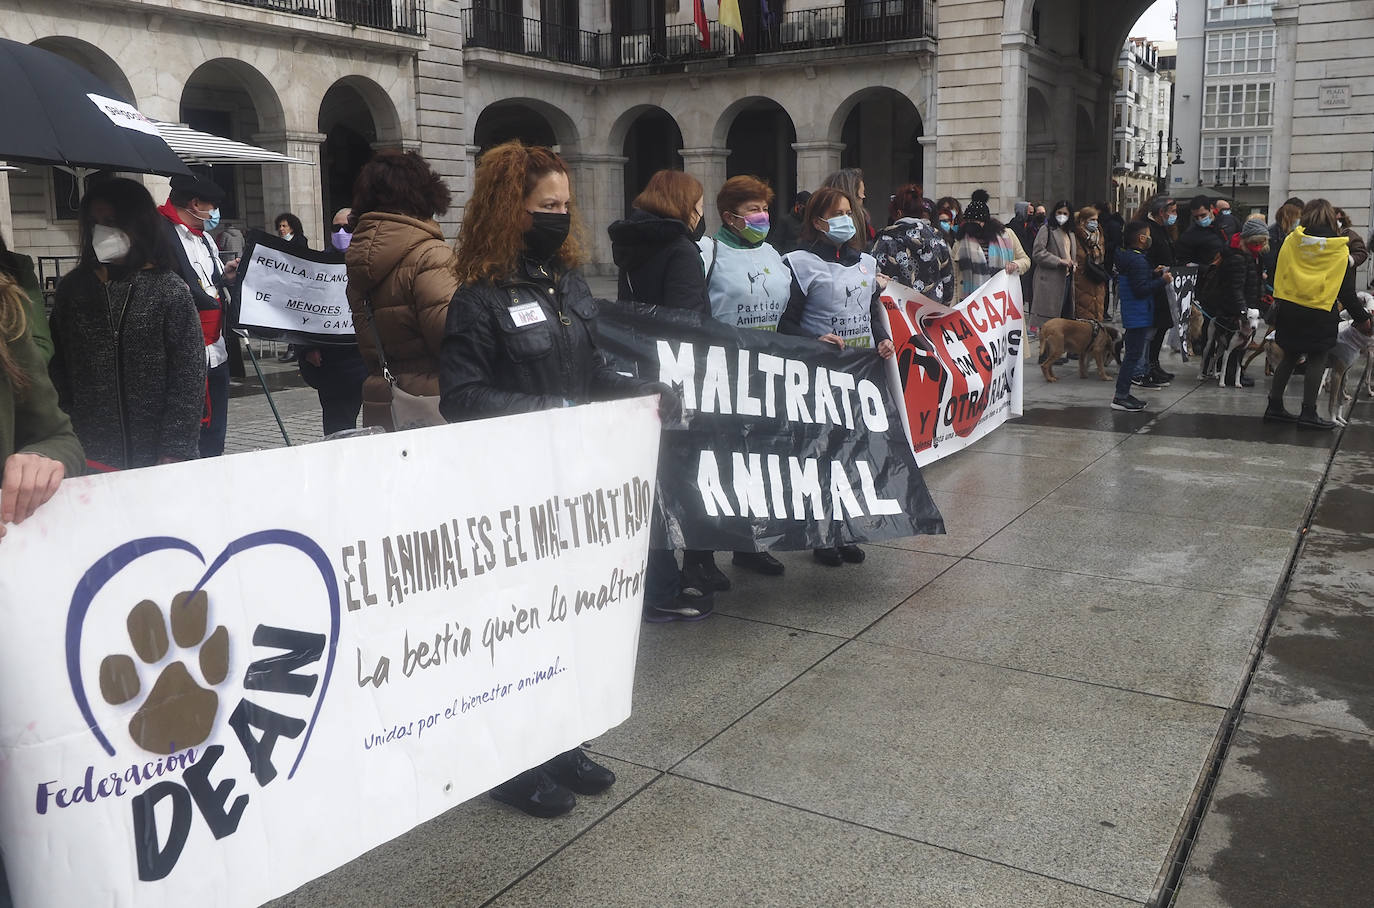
<point>1309,419</point>
<point>536,793</point>
<point>575,770</point>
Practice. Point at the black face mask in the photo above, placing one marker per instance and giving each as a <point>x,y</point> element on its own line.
<point>546,234</point>
<point>699,230</point>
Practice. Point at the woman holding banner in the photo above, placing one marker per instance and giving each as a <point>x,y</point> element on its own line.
<point>834,299</point>
<point>37,445</point>
<point>911,253</point>
<point>520,337</point>
<point>749,285</point>
<point>985,247</point>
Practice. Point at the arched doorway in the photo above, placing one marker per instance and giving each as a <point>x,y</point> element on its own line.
<point>356,119</point>
<point>1040,147</point>
<point>230,98</point>
<point>760,139</point>
<point>506,120</point>
<point>881,133</point>
<point>653,142</point>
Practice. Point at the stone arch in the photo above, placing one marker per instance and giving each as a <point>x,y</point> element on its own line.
<point>528,119</point>
<point>650,140</point>
<point>233,99</point>
<point>92,59</point>
<point>880,129</point>
<point>760,133</point>
<point>224,73</point>
<point>386,119</point>
<point>356,118</point>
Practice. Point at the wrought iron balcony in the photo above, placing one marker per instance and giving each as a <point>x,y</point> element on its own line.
<point>405,16</point>
<point>811,29</point>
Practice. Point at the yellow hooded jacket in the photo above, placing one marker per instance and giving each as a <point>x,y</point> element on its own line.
<point>1311,268</point>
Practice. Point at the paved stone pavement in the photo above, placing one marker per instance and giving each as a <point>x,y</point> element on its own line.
<point>1024,712</point>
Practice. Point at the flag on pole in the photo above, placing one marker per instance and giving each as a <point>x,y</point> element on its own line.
<point>729,16</point>
<point>703,28</point>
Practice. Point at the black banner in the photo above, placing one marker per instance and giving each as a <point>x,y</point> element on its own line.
<point>786,442</point>
<point>290,293</point>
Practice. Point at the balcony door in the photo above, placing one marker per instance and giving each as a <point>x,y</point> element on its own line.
<point>499,24</point>
<point>640,31</point>
<point>562,30</point>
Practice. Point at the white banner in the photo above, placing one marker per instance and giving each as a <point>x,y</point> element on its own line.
<point>299,291</point>
<point>224,678</point>
<point>957,368</point>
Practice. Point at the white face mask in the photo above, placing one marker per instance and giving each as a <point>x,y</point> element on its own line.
<point>110,244</point>
<point>1061,219</point>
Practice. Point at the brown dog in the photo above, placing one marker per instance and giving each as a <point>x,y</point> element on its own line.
<point>1082,336</point>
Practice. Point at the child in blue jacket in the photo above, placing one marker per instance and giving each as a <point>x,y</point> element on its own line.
<point>1136,287</point>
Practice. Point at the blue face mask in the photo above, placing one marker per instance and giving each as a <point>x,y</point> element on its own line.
<point>840,229</point>
<point>212,221</point>
<point>1092,226</point>
<point>1171,220</point>
<point>946,226</point>
<point>1205,222</point>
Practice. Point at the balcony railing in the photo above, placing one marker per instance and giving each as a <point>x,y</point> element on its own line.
<point>405,16</point>
<point>798,30</point>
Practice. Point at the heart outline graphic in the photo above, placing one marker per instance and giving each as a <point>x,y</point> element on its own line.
<point>119,558</point>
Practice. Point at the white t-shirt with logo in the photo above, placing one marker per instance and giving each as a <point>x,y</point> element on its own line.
<point>839,297</point>
<point>748,287</point>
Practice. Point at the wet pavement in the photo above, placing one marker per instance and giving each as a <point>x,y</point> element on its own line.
<point>1291,819</point>
<point>1025,712</point>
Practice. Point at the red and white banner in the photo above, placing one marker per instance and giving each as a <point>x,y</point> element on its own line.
<point>957,368</point>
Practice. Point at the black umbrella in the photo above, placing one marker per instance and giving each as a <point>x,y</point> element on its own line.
<point>51,118</point>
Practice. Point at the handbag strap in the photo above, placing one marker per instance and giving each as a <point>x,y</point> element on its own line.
<point>377,339</point>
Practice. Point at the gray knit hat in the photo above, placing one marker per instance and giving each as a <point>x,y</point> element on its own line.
<point>1253,229</point>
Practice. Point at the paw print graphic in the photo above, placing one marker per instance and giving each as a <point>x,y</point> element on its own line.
<point>177,712</point>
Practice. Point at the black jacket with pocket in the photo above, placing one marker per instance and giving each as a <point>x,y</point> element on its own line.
<point>659,262</point>
<point>525,343</point>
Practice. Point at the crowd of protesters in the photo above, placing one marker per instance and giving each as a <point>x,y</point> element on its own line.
<point>131,368</point>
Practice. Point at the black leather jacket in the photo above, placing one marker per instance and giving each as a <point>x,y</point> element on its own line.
<point>522,344</point>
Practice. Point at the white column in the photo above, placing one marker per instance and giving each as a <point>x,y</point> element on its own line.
<point>707,164</point>
<point>598,185</point>
<point>1285,74</point>
<point>1015,72</point>
<point>294,187</point>
<point>929,186</point>
<point>815,162</point>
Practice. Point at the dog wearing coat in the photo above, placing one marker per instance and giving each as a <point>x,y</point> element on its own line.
<point>1086,337</point>
<point>1355,340</point>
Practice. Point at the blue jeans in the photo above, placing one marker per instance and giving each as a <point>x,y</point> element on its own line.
<point>1132,359</point>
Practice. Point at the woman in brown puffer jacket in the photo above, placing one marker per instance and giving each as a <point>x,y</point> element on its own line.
<point>398,261</point>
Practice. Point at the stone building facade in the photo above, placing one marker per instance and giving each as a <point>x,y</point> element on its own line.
<point>1015,96</point>
<point>1225,112</point>
<point>319,80</point>
<point>1141,134</point>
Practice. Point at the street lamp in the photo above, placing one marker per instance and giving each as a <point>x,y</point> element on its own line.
<point>1160,179</point>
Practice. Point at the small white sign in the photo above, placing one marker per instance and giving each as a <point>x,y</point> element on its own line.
<point>527,314</point>
<point>125,115</point>
<point>1333,97</point>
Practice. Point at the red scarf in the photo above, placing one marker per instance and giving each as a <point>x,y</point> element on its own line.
<point>168,211</point>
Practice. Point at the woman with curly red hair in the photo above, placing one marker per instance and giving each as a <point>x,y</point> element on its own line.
<point>521,336</point>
